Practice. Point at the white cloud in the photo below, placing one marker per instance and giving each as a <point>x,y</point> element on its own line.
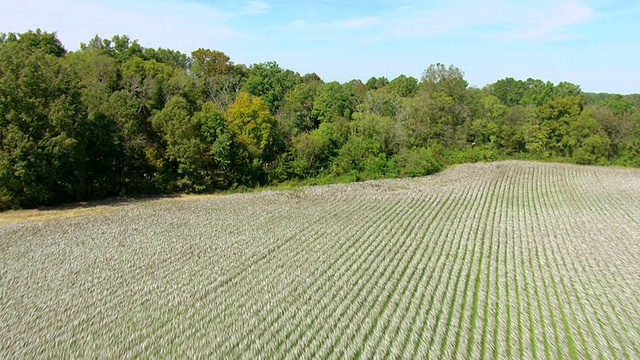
<point>327,30</point>
<point>179,25</point>
<point>255,8</point>
<point>358,23</point>
<point>553,23</point>
<point>542,20</point>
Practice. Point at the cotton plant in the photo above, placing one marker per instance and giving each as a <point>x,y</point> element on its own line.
<point>499,260</point>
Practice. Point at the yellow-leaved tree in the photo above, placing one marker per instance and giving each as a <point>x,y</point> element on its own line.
<point>250,120</point>
<point>254,127</point>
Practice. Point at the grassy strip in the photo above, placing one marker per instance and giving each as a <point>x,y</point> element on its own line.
<point>293,259</point>
<point>478,278</point>
<point>398,256</point>
<point>325,286</point>
<point>545,202</point>
<point>581,203</point>
<point>511,216</point>
<point>485,328</point>
<point>567,330</point>
<point>364,285</point>
<point>423,295</point>
<point>379,214</point>
<point>448,281</point>
<point>451,313</point>
<point>432,296</point>
<point>387,301</point>
<point>385,272</point>
<point>524,195</point>
<point>423,252</point>
<point>165,327</point>
<point>545,286</point>
<point>255,273</point>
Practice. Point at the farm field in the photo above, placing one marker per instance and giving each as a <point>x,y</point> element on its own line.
<point>502,260</point>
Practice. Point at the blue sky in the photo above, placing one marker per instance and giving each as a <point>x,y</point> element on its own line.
<point>593,43</point>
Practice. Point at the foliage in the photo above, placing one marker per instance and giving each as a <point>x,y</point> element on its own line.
<point>115,118</point>
<point>296,114</point>
<point>404,86</point>
<point>418,162</point>
<point>438,78</point>
<point>376,83</point>
<point>44,128</point>
<point>335,101</point>
<point>269,81</point>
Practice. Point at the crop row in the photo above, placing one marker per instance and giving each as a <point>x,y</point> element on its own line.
<point>502,260</point>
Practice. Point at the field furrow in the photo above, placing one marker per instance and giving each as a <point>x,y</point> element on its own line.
<point>506,260</point>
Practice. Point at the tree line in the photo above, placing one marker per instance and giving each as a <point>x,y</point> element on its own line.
<point>118,119</point>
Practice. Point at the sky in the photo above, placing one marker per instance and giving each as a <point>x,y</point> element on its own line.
<point>592,43</point>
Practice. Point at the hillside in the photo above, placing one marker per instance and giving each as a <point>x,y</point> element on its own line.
<point>501,260</point>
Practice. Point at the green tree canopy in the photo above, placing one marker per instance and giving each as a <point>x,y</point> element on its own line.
<point>335,101</point>
<point>447,80</point>
<point>43,126</point>
<point>115,118</point>
<point>271,83</point>
<point>404,86</point>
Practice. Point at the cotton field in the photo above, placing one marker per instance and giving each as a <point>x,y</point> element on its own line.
<point>502,260</point>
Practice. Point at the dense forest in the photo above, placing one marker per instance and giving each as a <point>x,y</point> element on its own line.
<point>118,119</point>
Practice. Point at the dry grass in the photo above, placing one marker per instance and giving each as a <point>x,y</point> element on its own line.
<point>58,213</point>
<point>92,208</point>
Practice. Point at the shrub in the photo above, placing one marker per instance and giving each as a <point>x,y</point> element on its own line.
<point>418,162</point>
